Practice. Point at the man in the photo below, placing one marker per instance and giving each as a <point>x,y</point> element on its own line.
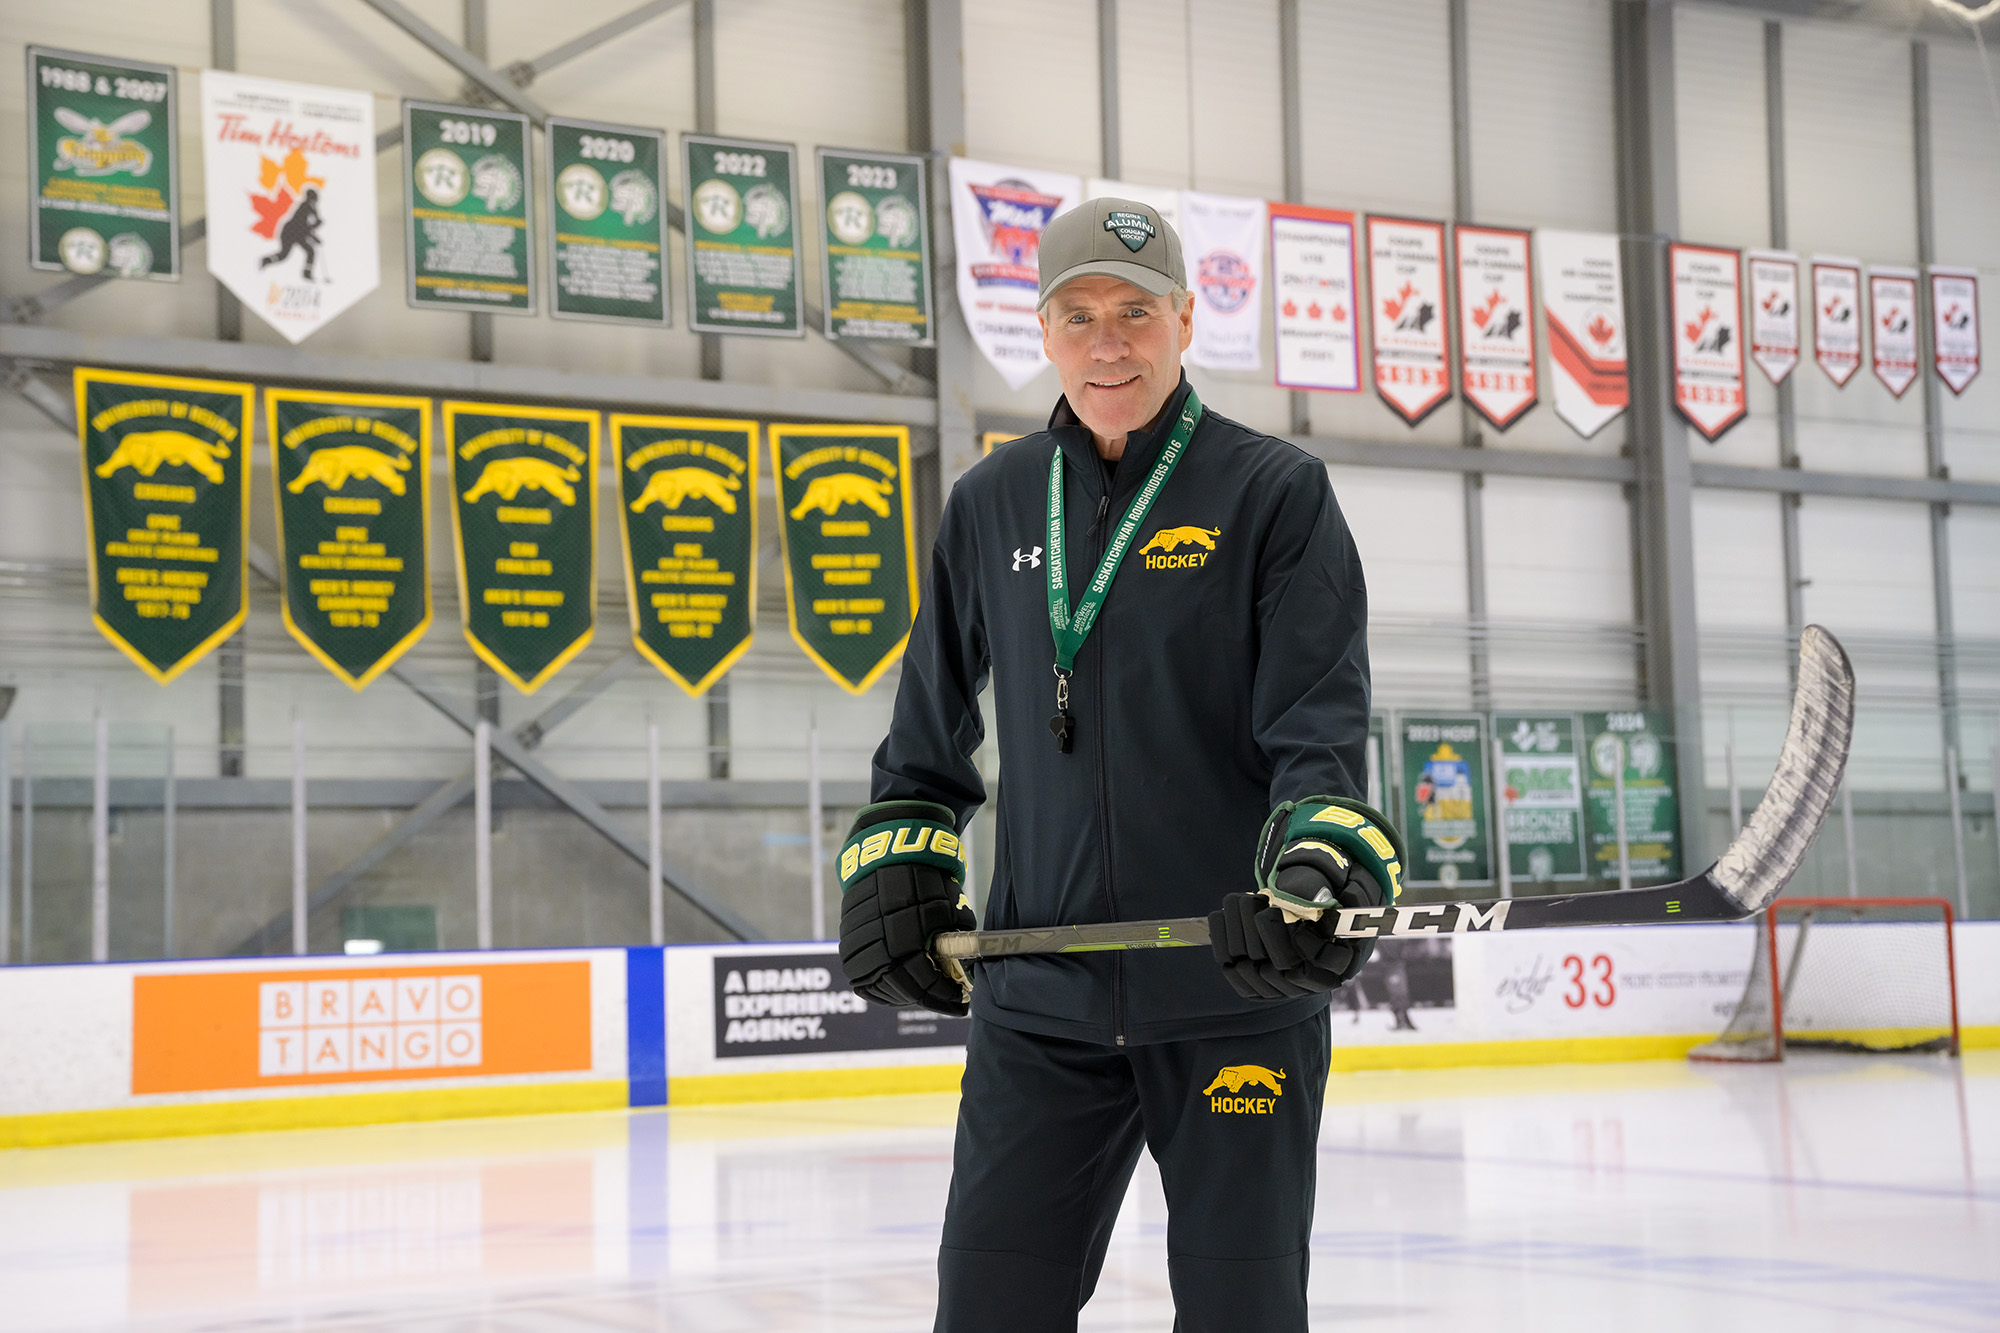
<point>1172,614</point>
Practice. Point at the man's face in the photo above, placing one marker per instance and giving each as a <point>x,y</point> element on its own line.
<point>1118,351</point>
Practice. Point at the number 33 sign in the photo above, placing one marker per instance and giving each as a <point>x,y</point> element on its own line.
<point>1590,983</point>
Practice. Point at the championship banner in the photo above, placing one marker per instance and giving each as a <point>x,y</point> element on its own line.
<point>166,503</point>
<point>1160,198</point>
<point>352,476</point>
<point>1541,770</point>
<point>997,217</point>
<point>875,260</point>
<point>1222,237</point>
<point>289,172</point>
<point>1312,276</point>
<point>850,539</point>
<point>687,510</point>
<point>467,225</point>
<point>1496,322</point>
<point>1583,296</point>
<point>1444,801</point>
<point>103,138</point>
<point>1892,302</point>
<point>1955,325</point>
<point>1774,312</point>
<point>524,519</point>
<point>607,223</point>
<point>1707,306</point>
<point>1643,739</point>
<point>744,271</point>
<point>1837,318</point>
<point>1412,341</point>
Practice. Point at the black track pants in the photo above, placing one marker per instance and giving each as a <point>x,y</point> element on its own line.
<point>1048,1133</point>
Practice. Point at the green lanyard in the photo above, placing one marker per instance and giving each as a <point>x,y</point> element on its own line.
<point>1070,630</point>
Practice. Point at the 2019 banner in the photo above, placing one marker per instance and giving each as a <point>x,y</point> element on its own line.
<point>468,223</point>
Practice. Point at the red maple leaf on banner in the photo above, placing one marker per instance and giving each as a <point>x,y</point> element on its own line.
<point>1313,310</point>
<point>1291,308</point>
<point>1338,314</point>
<point>1484,311</point>
<point>1700,322</point>
<point>1601,329</point>
<point>270,212</point>
<point>1393,306</point>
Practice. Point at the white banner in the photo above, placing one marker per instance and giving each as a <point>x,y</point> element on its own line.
<point>1163,199</point>
<point>1407,314</point>
<point>1708,336</point>
<point>1312,287</point>
<point>1837,317</point>
<point>997,217</point>
<point>1892,306</point>
<point>1496,322</point>
<point>290,174</point>
<point>1222,238</point>
<point>1955,325</point>
<point>1583,296</point>
<point>1774,312</point>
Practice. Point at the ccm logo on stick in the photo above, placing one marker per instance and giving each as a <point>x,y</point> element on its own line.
<point>1368,922</point>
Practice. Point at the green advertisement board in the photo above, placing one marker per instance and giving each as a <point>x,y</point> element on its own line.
<point>877,255</point>
<point>1541,771</point>
<point>1444,800</point>
<point>104,139</point>
<point>468,220</point>
<point>524,518</point>
<point>687,491</point>
<point>166,500</point>
<point>352,476</point>
<point>849,536</point>
<point>607,222</point>
<point>744,274</point>
<point>1644,739</point>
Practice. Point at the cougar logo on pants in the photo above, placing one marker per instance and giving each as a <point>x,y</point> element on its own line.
<point>1233,1079</point>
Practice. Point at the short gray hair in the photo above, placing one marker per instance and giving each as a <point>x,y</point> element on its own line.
<point>1180,297</point>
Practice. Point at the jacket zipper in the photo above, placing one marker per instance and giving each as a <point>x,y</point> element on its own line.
<point>1103,797</point>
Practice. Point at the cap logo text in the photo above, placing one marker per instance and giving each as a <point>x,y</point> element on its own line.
<point>1135,229</point>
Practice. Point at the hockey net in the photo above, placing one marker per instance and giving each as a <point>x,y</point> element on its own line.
<point>1867,975</point>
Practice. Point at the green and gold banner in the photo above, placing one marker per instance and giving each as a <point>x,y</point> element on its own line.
<point>468,222</point>
<point>877,260</point>
<point>607,225</point>
<point>166,498</point>
<point>744,274</point>
<point>1444,801</point>
<point>687,506</point>
<point>104,176</point>
<point>524,515</point>
<point>1642,739</point>
<point>352,476</point>
<point>850,545</point>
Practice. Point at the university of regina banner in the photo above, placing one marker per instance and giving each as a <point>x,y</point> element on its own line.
<point>849,535</point>
<point>524,520</point>
<point>687,508</point>
<point>166,500</point>
<point>351,472</point>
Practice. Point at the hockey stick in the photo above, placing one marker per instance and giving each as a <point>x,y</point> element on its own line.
<point>1752,871</point>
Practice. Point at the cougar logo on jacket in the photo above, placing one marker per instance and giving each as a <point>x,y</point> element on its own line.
<point>1233,1079</point>
<point>1167,541</point>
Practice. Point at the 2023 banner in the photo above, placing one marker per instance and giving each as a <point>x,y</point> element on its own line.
<point>876,264</point>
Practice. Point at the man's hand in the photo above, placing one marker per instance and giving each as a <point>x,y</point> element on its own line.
<point>899,878</point>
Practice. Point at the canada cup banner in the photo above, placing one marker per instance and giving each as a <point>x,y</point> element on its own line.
<point>1955,325</point>
<point>1836,285</point>
<point>997,218</point>
<point>1312,288</point>
<point>1410,323</point>
<point>1222,238</point>
<point>103,174</point>
<point>1496,322</point>
<point>1892,308</point>
<point>1774,312</point>
<point>1583,296</point>
<point>1707,305</point>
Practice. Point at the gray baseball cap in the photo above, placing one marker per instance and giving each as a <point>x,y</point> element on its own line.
<point>1118,238</point>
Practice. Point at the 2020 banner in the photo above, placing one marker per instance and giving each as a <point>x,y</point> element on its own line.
<point>166,502</point>
<point>607,223</point>
<point>744,274</point>
<point>1411,326</point>
<point>1707,314</point>
<point>876,261</point>
<point>468,223</point>
<point>1444,800</point>
<point>105,142</point>
<point>1496,322</point>
<point>1583,296</point>
<point>1313,290</point>
<point>997,218</point>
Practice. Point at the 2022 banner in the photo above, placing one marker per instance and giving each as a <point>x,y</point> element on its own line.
<point>607,223</point>
<point>104,177</point>
<point>744,274</point>
<point>467,219</point>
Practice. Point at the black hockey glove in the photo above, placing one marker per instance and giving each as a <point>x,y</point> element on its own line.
<point>900,877</point>
<point>1314,856</point>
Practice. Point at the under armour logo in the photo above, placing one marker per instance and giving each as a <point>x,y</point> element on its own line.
<point>1032,559</point>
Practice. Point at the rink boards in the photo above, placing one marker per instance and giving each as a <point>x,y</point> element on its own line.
<point>130,1050</point>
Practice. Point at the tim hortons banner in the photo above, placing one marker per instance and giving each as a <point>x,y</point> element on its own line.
<point>1955,325</point>
<point>744,271</point>
<point>849,536</point>
<point>1707,304</point>
<point>104,166</point>
<point>524,514</point>
<point>607,223</point>
<point>289,172</point>
<point>1892,307</point>
<point>1222,237</point>
<point>1837,317</point>
<point>1774,312</point>
<point>997,217</point>
<point>1406,292</point>
<point>468,224</point>
<point>1583,296</point>
<point>166,501</point>
<point>687,508</point>
<point>352,476</point>
<point>1312,288</point>
<point>875,264</point>
<point>1496,322</point>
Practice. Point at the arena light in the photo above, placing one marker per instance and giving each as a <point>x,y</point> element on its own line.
<point>1970,13</point>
